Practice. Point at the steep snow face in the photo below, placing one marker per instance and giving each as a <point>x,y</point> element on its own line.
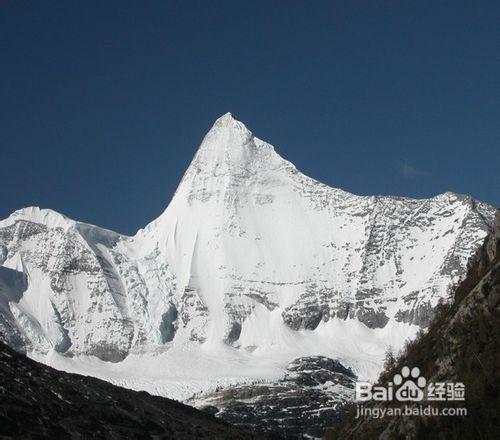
<point>251,256</point>
<point>249,237</point>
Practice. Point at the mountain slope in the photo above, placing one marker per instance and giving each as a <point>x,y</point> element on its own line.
<point>251,265</point>
<point>40,402</point>
<point>462,345</point>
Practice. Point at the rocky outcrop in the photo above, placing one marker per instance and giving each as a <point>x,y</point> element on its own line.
<point>309,398</point>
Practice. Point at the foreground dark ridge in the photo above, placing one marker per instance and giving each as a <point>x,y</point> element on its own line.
<point>37,401</point>
<point>462,345</point>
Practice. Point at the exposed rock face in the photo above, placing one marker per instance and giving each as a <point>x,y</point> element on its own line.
<point>40,402</point>
<point>308,399</point>
<point>461,345</point>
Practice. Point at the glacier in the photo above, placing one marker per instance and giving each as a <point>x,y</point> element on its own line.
<point>251,265</point>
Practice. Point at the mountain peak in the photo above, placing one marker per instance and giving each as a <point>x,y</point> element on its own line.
<point>230,146</point>
<point>229,153</point>
<point>227,134</point>
<point>38,215</point>
<point>228,123</point>
<point>226,118</point>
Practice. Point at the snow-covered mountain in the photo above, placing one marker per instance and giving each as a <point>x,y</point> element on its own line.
<point>251,265</point>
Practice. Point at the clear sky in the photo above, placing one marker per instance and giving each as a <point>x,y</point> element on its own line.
<point>103,103</point>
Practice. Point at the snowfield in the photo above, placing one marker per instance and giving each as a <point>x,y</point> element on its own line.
<point>181,372</point>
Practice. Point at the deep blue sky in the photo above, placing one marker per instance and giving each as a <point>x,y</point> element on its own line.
<point>103,104</point>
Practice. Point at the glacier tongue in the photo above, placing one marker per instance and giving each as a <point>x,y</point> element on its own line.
<point>252,262</point>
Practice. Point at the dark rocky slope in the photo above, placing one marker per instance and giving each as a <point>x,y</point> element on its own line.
<point>37,401</point>
<point>462,345</point>
<point>303,404</point>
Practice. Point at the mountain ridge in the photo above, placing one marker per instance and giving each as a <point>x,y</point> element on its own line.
<point>251,260</point>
